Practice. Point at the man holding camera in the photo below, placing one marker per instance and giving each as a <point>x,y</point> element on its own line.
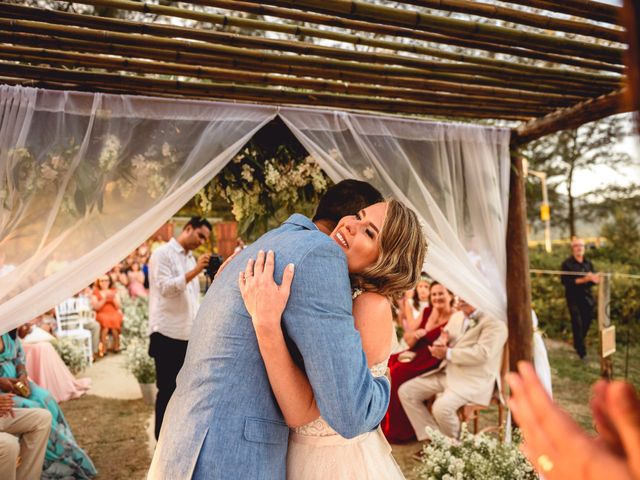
<point>174,293</point>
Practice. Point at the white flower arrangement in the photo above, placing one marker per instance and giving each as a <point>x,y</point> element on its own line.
<point>263,189</point>
<point>72,354</point>
<point>139,363</point>
<point>473,457</point>
<point>136,323</point>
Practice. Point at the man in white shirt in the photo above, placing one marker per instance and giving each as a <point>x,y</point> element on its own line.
<point>174,293</point>
<point>470,347</point>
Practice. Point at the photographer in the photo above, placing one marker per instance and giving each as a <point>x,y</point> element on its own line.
<point>174,293</point>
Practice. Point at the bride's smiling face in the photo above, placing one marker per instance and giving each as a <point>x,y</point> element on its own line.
<point>358,236</point>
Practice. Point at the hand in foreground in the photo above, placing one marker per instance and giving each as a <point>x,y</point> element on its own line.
<point>264,298</point>
<point>554,443</point>
<point>438,351</point>
<point>6,405</point>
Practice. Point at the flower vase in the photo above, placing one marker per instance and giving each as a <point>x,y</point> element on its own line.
<point>149,392</point>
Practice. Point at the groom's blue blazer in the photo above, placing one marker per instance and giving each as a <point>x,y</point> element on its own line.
<point>223,421</point>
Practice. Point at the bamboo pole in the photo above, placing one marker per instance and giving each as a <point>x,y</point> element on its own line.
<point>208,48</point>
<point>597,11</point>
<point>196,34</point>
<point>242,92</point>
<point>393,31</point>
<point>454,27</point>
<point>69,59</point>
<point>493,68</point>
<point>572,117</point>
<point>518,280</point>
<point>547,22</point>
<point>425,86</point>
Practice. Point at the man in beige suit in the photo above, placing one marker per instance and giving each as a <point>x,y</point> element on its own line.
<point>24,432</point>
<point>471,349</point>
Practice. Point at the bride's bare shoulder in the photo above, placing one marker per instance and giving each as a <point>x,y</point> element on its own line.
<point>373,319</point>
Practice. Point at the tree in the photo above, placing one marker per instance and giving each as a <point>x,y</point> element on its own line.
<point>562,154</point>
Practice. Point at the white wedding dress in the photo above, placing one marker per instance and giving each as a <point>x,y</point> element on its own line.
<point>317,452</point>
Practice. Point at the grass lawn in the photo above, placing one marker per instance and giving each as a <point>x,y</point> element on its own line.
<point>113,431</point>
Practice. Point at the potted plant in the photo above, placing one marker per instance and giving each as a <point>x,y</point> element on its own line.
<point>143,368</point>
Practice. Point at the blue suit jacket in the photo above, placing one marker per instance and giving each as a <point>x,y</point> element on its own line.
<point>223,421</point>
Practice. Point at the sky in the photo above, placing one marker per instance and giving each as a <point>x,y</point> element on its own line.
<point>600,176</point>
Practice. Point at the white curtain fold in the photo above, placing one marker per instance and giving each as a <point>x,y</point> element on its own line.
<point>455,176</point>
<point>86,178</point>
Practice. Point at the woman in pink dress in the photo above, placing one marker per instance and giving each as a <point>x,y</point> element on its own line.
<point>46,368</point>
<point>136,281</point>
<point>105,300</point>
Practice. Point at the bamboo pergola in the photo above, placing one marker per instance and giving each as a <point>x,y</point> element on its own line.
<point>544,65</point>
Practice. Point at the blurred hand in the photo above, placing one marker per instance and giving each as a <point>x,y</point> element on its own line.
<point>202,262</point>
<point>443,339</point>
<point>438,351</point>
<point>6,405</point>
<point>264,298</point>
<point>559,449</point>
<point>25,381</point>
<point>595,277</point>
<point>6,384</point>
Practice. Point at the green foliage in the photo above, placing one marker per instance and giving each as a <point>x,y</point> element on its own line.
<point>72,354</point>
<point>139,363</point>
<point>547,292</point>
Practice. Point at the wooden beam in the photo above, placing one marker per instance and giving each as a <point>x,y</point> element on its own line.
<point>632,22</point>
<point>571,117</point>
<point>546,22</point>
<point>487,65</point>
<point>493,69</point>
<point>454,27</point>
<point>58,58</point>
<point>103,36</point>
<point>597,11</point>
<point>151,86</point>
<point>518,280</point>
<point>306,17</point>
<point>236,63</point>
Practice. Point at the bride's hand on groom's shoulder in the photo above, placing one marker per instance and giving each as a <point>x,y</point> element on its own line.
<point>264,299</point>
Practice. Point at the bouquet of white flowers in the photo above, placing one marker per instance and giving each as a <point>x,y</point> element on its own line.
<point>473,457</point>
<point>136,319</point>
<point>139,362</point>
<point>72,354</point>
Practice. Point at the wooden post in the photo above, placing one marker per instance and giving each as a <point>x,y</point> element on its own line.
<point>606,332</point>
<point>518,280</point>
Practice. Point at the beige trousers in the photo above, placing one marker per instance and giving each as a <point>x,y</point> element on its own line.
<point>24,434</point>
<point>444,413</point>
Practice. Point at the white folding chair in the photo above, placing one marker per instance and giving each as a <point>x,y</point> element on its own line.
<point>70,316</point>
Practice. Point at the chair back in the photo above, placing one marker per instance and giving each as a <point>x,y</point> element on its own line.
<point>68,316</point>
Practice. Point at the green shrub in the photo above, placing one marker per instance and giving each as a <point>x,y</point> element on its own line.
<point>72,354</point>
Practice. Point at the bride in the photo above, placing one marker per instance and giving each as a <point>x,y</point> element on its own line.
<point>315,450</point>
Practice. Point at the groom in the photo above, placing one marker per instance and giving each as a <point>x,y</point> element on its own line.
<point>223,421</point>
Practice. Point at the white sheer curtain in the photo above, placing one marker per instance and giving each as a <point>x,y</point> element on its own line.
<point>85,178</point>
<point>455,176</point>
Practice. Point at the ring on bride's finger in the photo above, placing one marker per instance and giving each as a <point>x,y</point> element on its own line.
<point>545,463</point>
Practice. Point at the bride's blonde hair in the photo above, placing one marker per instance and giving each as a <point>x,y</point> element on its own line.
<point>403,247</point>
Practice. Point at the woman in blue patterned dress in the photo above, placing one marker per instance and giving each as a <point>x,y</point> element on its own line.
<point>64,458</point>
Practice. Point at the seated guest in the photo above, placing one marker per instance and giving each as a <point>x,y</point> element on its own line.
<point>415,305</point>
<point>64,458</point>
<point>416,361</point>
<point>46,368</point>
<point>472,345</point>
<point>106,302</point>
<point>136,281</point>
<point>23,432</point>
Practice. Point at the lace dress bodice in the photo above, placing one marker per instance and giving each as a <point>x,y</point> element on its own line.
<point>319,427</point>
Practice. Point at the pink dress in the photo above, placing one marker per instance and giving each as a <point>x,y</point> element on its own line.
<point>46,368</point>
<point>136,284</point>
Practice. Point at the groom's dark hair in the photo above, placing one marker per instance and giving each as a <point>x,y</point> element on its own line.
<point>346,197</point>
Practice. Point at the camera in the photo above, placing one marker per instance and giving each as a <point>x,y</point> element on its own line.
<point>215,261</point>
